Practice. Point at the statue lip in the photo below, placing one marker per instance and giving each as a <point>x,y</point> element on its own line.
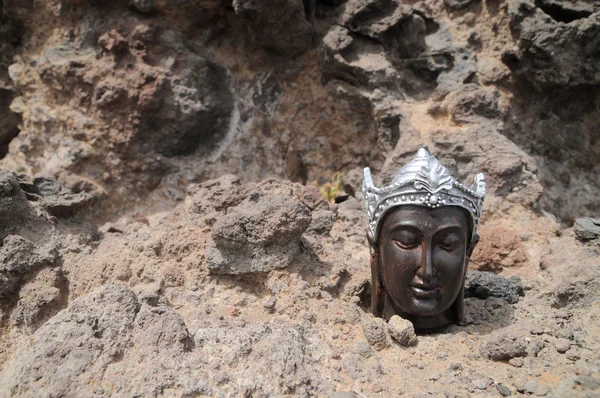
<point>425,290</point>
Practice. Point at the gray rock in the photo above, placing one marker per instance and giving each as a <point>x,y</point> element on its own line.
<point>322,222</point>
<point>459,4</point>
<point>562,345</point>
<point>374,330</point>
<point>281,352</point>
<point>258,235</point>
<point>587,228</point>
<point>469,103</point>
<point>504,344</point>
<point>481,383</point>
<point>19,259</point>
<point>279,25</point>
<point>573,354</point>
<point>531,386</point>
<point>516,362</point>
<point>402,331</point>
<point>543,59</point>
<point>503,390</point>
<point>57,200</point>
<point>485,284</point>
<point>73,348</point>
<point>15,211</point>
<point>40,298</point>
<point>572,386</point>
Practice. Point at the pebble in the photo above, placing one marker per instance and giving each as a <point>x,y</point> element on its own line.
<point>503,390</point>
<point>562,345</point>
<point>402,331</point>
<point>531,386</point>
<point>480,383</point>
<point>573,354</point>
<point>516,362</point>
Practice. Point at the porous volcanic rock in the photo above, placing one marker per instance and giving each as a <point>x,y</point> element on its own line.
<point>258,235</point>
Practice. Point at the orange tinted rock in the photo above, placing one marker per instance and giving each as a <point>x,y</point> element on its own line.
<point>497,248</point>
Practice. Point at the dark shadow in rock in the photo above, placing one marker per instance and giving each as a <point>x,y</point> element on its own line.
<point>562,13</point>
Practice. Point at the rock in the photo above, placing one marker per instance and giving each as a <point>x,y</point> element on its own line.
<point>15,211</point>
<point>516,362</point>
<point>258,235</point>
<point>579,288</point>
<point>216,195</point>
<point>574,385</point>
<point>40,298</point>
<point>459,4</point>
<point>56,199</point>
<point>481,383</point>
<point>503,390</point>
<point>484,284</point>
<point>492,71</point>
<point>290,363</point>
<point>504,344</point>
<point>587,228</point>
<point>573,354</point>
<point>531,386</point>
<point>562,345</point>
<point>322,222</point>
<point>402,331</point>
<point>374,331</point>
<point>280,26</point>
<point>75,347</point>
<point>19,259</point>
<point>470,103</point>
<point>497,248</point>
<point>544,59</point>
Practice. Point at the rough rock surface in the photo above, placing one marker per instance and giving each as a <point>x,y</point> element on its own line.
<point>402,331</point>
<point>140,254</point>
<point>483,285</point>
<point>258,235</point>
<point>587,228</point>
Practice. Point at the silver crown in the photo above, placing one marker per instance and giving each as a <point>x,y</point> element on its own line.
<point>423,182</point>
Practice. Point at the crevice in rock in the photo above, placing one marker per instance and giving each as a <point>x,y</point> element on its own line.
<point>560,13</point>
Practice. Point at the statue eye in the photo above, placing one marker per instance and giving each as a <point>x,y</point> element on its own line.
<point>407,239</point>
<point>450,242</point>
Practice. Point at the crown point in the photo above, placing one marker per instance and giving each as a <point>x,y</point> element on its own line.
<point>423,153</point>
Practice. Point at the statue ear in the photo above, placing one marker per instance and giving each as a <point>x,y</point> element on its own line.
<point>377,288</point>
<point>472,245</point>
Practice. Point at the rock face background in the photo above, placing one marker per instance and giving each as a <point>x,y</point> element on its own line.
<point>160,234</point>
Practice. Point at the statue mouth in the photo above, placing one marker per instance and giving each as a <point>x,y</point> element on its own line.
<point>424,291</point>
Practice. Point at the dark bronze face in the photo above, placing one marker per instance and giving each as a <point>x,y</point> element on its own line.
<point>423,258</point>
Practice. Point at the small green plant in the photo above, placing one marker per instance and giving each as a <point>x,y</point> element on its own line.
<point>332,190</point>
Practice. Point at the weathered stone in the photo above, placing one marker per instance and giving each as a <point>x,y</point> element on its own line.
<point>402,331</point>
<point>279,25</point>
<point>19,259</point>
<point>459,4</point>
<point>484,284</point>
<point>544,57</point>
<point>504,344</point>
<point>258,235</point>
<point>40,298</point>
<point>497,248</point>
<point>74,347</point>
<point>374,330</point>
<point>587,228</point>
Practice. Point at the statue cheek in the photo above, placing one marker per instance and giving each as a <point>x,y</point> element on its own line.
<point>450,264</point>
<point>400,260</point>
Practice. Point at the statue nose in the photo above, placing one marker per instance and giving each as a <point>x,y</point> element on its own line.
<point>426,271</point>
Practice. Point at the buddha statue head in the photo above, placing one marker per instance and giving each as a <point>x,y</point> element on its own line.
<point>422,231</point>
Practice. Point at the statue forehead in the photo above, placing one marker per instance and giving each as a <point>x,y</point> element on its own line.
<point>422,217</point>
